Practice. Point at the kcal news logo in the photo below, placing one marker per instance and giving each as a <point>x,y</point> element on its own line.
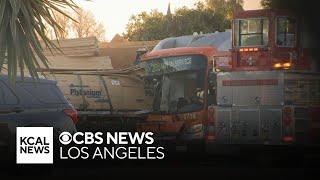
<point>34,145</point>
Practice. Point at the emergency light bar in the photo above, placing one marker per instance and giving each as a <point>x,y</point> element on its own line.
<point>249,49</point>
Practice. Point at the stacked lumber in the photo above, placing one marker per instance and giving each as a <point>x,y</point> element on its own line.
<point>80,53</point>
<point>132,72</point>
<point>73,47</point>
<point>115,91</point>
<point>59,63</point>
<point>128,44</point>
<point>66,62</point>
<point>123,54</point>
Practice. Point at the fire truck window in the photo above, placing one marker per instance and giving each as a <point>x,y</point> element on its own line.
<point>286,32</point>
<point>251,32</point>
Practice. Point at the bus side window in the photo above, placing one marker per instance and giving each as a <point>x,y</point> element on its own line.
<point>212,92</point>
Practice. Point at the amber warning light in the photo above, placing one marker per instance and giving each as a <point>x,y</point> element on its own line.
<point>286,65</point>
<point>249,49</point>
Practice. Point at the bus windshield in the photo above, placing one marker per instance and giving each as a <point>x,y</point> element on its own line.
<point>250,32</point>
<point>176,83</point>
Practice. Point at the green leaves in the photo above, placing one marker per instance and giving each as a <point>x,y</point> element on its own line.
<point>22,25</point>
<point>185,21</point>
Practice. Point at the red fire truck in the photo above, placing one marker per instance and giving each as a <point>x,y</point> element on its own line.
<point>251,85</point>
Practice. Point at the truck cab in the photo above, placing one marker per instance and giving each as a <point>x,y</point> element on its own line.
<point>268,40</point>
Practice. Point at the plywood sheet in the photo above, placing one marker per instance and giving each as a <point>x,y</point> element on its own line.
<point>65,62</point>
<point>73,47</point>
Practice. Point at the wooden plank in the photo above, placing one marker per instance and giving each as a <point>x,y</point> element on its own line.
<point>76,42</point>
<point>73,47</point>
<point>65,62</point>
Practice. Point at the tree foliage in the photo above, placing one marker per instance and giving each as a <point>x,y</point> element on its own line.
<point>266,4</point>
<point>64,23</point>
<point>276,4</point>
<point>146,26</point>
<point>83,24</point>
<point>226,7</point>
<point>205,17</point>
<point>22,26</point>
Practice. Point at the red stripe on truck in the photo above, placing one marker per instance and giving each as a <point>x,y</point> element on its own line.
<point>254,82</point>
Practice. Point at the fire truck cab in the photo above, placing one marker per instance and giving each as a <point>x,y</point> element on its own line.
<point>268,40</point>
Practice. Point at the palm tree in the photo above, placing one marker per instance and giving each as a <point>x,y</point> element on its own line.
<point>23,25</point>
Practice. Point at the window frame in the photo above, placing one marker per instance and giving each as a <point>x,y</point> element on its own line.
<point>239,30</point>
<point>276,33</point>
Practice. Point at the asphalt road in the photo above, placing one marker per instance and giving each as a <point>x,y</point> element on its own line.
<point>184,164</point>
